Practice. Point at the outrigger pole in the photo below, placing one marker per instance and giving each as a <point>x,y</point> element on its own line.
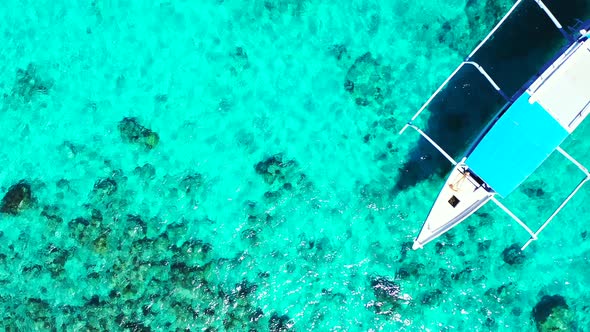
<point>480,68</point>
<point>554,20</point>
<point>468,61</point>
<point>571,195</point>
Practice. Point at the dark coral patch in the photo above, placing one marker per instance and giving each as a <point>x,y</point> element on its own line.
<point>244,289</point>
<point>146,172</point>
<point>534,192</point>
<point>274,168</point>
<point>135,226</point>
<point>513,255</point>
<point>551,313</point>
<point>240,60</point>
<point>17,198</point>
<point>385,289</point>
<point>249,233</point>
<point>39,313</point>
<point>29,83</point>
<point>133,132</point>
<point>432,297</point>
<point>272,196</point>
<point>279,323</point>
<point>56,259</point>
<point>255,315</point>
<point>340,52</point>
<point>84,230</point>
<point>191,183</point>
<point>409,270</point>
<point>366,81</point>
<point>105,187</point>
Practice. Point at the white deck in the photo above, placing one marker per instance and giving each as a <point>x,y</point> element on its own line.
<point>467,195</point>
<point>563,90</point>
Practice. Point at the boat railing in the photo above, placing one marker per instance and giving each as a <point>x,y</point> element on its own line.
<point>552,69</point>
<point>579,26</point>
<point>579,115</point>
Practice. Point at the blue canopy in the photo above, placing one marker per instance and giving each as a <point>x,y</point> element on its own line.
<point>524,136</point>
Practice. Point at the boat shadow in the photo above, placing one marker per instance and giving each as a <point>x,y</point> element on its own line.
<point>455,117</point>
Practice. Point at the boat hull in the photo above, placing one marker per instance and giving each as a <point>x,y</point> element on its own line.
<point>462,194</point>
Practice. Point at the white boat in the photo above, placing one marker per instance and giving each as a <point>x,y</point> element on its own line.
<point>462,194</point>
<point>530,127</point>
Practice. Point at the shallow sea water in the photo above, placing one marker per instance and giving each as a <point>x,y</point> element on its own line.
<point>270,199</point>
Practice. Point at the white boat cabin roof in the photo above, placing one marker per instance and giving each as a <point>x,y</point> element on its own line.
<point>563,88</point>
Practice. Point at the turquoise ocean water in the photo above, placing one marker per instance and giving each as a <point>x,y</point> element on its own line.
<point>235,166</point>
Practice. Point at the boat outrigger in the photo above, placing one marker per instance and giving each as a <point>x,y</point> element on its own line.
<point>531,126</point>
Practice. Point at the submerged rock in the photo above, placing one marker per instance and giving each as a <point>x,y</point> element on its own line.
<point>133,132</point>
<point>187,276</point>
<point>249,233</point>
<point>552,314</point>
<point>388,297</point>
<point>462,275</point>
<point>278,9</point>
<point>17,198</point>
<point>192,252</point>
